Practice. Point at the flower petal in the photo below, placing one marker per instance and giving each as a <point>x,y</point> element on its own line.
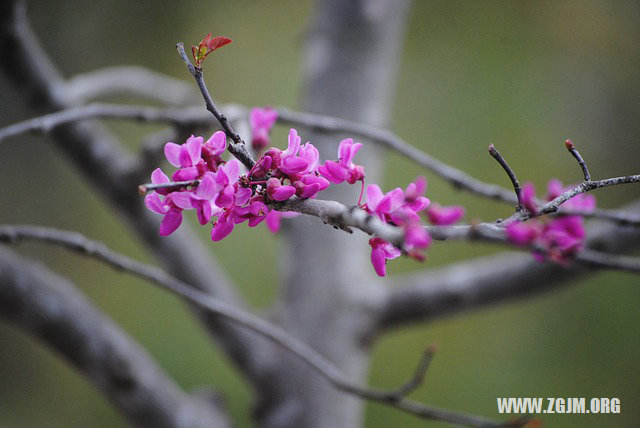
<point>171,221</point>
<point>172,153</point>
<point>221,230</point>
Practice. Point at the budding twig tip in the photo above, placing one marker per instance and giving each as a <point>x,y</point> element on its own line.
<point>142,189</point>
<point>569,144</point>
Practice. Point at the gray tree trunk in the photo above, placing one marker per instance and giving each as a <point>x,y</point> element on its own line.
<point>331,299</point>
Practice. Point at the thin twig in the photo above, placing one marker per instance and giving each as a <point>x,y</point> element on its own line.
<point>77,242</point>
<point>554,205</point>
<point>512,175</point>
<point>238,148</point>
<point>621,217</point>
<point>456,177</point>
<point>574,152</point>
<point>184,117</point>
<point>173,185</point>
<point>418,376</point>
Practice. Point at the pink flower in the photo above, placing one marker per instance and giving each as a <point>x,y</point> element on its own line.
<point>261,120</point>
<point>381,251</point>
<point>582,201</point>
<point>528,197</point>
<point>186,157</point>
<point>523,233</point>
<point>296,159</point>
<point>444,216</point>
<point>309,185</point>
<point>381,204</point>
<point>172,215</point>
<point>416,236</point>
<point>344,169</point>
<point>279,192</point>
<point>274,219</point>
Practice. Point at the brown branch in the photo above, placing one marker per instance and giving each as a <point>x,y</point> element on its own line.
<point>238,148</point>
<point>574,152</point>
<point>512,176</point>
<point>50,308</point>
<point>76,242</point>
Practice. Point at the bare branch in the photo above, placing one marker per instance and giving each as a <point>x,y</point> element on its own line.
<point>512,176</point>
<point>491,232</point>
<point>127,80</point>
<point>473,284</point>
<point>574,152</point>
<point>554,205</point>
<point>78,243</point>
<point>418,376</point>
<point>621,217</point>
<point>49,307</point>
<point>457,178</point>
<point>186,117</point>
<point>238,148</point>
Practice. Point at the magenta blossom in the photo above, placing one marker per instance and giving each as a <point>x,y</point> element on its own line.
<point>444,216</point>
<point>381,251</point>
<point>186,157</point>
<point>261,120</point>
<point>344,169</point>
<point>558,237</point>
<point>528,197</point>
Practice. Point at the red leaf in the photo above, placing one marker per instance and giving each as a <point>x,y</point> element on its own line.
<point>218,42</point>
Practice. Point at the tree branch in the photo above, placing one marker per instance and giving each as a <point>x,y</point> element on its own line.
<point>49,307</point>
<point>237,148</point>
<point>553,206</point>
<point>470,285</point>
<point>127,80</point>
<point>456,177</point>
<point>76,242</point>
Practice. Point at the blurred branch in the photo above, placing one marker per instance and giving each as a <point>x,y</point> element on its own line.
<point>184,116</point>
<point>50,308</point>
<point>491,232</point>
<point>76,242</point>
<point>621,217</point>
<point>131,80</point>
<point>456,177</point>
<point>471,285</point>
<point>108,167</point>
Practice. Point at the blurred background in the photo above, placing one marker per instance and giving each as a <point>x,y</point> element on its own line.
<point>523,75</point>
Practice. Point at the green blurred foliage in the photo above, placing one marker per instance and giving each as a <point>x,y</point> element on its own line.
<point>523,75</point>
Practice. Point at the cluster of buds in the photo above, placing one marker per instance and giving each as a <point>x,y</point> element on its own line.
<point>557,238</point>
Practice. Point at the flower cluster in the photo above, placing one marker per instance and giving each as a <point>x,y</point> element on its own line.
<point>222,193</point>
<point>400,208</point>
<point>557,238</point>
